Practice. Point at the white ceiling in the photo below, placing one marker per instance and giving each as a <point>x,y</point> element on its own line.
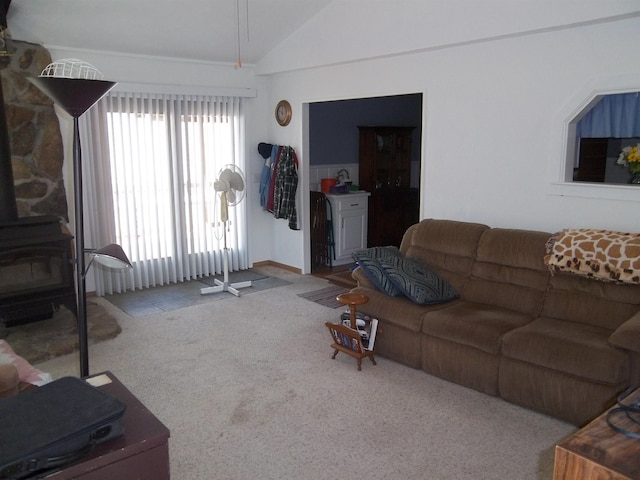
<point>191,29</point>
<point>284,35</point>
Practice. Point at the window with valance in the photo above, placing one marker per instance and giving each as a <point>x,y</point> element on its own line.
<point>612,124</point>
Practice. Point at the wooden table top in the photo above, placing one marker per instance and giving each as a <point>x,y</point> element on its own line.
<point>601,444</point>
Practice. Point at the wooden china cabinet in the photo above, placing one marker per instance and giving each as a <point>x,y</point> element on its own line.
<point>385,171</point>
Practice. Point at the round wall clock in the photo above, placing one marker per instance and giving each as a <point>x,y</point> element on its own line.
<point>283,112</point>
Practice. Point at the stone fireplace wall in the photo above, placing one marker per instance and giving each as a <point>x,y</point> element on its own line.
<point>37,154</point>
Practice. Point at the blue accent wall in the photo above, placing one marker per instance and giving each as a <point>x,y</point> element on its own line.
<point>333,126</point>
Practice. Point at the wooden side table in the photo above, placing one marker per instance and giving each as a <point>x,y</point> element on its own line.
<point>141,453</point>
<point>597,452</point>
<point>352,299</point>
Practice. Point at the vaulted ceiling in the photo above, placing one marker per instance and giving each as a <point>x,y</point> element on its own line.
<point>282,35</point>
<point>207,30</point>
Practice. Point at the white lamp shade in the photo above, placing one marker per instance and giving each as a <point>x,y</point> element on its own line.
<point>111,256</point>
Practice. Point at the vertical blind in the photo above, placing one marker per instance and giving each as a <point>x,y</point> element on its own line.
<point>154,185</point>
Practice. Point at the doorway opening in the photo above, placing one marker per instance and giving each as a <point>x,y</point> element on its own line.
<point>333,146</point>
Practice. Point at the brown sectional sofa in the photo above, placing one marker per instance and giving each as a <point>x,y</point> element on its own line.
<point>560,344</point>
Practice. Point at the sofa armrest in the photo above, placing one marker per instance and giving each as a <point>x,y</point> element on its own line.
<point>359,276</point>
<point>627,335</point>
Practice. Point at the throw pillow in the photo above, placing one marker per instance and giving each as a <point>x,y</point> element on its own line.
<point>369,260</point>
<point>418,282</point>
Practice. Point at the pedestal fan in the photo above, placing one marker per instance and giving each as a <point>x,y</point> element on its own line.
<point>229,188</point>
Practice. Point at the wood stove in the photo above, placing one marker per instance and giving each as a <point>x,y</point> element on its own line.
<point>36,269</point>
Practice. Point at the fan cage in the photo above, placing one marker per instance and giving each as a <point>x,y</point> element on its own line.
<point>239,194</point>
<point>72,68</point>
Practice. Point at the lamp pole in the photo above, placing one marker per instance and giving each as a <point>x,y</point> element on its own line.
<point>81,285</point>
<point>75,96</point>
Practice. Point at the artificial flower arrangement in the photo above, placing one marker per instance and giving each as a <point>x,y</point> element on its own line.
<point>630,158</point>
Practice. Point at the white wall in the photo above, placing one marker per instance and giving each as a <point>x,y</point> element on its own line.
<point>495,102</point>
<point>493,115</point>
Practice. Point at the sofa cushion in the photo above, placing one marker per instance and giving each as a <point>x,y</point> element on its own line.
<point>583,300</point>
<point>448,247</point>
<point>369,260</point>
<point>573,348</point>
<point>417,282</point>
<point>399,311</point>
<point>473,324</point>
<point>509,271</point>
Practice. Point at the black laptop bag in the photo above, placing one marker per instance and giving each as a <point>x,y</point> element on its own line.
<point>55,424</point>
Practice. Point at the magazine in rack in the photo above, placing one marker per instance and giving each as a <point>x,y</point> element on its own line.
<point>367,328</point>
<point>373,330</point>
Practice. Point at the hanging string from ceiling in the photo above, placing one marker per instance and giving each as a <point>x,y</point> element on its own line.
<point>247,19</point>
<point>239,63</point>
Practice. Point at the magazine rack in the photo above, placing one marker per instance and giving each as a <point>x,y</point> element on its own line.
<point>348,341</point>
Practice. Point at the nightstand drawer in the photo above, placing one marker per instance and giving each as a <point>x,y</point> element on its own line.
<point>352,204</point>
<point>349,201</point>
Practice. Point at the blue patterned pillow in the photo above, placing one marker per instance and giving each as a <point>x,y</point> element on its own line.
<point>418,282</point>
<point>369,260</point>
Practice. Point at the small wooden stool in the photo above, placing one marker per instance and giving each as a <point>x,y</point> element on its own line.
<point>352,299</point>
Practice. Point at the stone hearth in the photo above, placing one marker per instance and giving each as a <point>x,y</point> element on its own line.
<point>40,341</point>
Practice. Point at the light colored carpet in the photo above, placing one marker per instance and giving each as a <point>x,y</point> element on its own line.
<point>248,389</point>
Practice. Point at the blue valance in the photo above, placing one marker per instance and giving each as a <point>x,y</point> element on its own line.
<point>614,116</point>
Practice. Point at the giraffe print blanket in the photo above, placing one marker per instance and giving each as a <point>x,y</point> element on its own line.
<point>600,254</point>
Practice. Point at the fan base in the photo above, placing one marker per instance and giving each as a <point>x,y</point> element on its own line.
<point>225,287</point>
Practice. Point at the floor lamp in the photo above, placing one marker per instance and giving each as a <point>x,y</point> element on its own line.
<point>76,86</point>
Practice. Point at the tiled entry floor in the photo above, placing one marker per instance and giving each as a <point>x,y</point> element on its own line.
<point>167,298</point>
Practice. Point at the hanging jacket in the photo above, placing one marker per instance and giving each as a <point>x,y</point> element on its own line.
<point>265,179</point>
<point>286,185</point>
<point>272,183</point>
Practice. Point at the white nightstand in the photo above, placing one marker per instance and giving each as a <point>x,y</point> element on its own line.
<point>350,211</point>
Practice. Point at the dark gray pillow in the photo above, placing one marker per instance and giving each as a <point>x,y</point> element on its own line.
<point>415,280</point>
<point>369,260</point>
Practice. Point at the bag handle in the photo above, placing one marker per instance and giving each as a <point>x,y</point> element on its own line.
<point>34,468</point>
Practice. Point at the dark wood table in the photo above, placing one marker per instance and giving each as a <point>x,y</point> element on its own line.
<point>597,452</point>
<point>141,453</point>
